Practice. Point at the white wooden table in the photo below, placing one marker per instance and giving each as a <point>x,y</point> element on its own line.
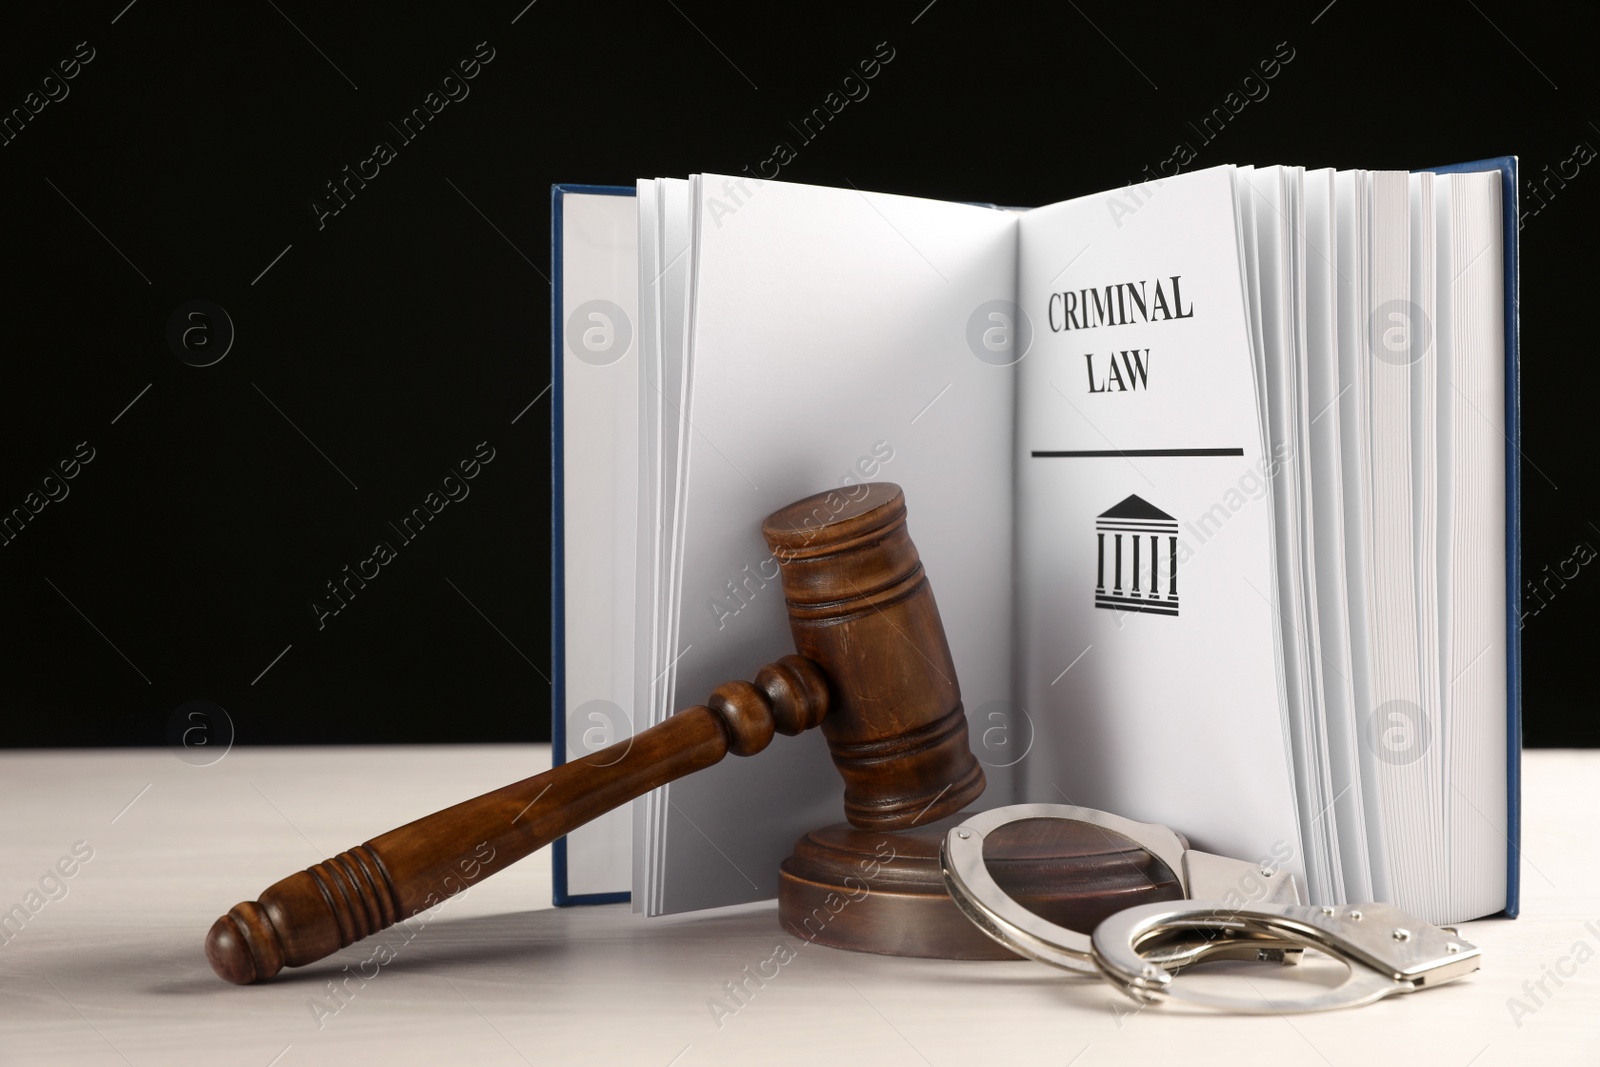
<point>113,972</point>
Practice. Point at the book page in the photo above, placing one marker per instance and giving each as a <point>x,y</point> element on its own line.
<point>1422,256</point>
<point>598,393</point>
<point>647,545</point>
<point>663,392</point>
<point>1147,617</point>
<point>1472,540</point>
<point>1399,727</point>
<point>1328,400</point>
<point>832,343</point>
<point>1270,200</point>
<point>1323,820</point>
<point>1353,242</point>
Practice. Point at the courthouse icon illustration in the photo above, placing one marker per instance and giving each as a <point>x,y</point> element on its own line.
<point>1138,559</point>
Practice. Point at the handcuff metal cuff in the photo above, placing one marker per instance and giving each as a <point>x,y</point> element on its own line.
<point>1386,950</point>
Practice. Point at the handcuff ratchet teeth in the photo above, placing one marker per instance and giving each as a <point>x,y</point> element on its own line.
<point>1386,950</point>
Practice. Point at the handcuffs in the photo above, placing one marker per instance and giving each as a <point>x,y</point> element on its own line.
<point>1138,949</point>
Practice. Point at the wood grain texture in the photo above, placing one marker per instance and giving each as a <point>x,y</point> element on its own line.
<point>874,670</point>
<point>317,911</point>
<point>860,604</point>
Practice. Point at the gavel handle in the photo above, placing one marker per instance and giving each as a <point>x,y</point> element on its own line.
<point>318,911</point>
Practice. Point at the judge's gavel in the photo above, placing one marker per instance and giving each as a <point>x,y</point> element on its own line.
<point>874,671</point>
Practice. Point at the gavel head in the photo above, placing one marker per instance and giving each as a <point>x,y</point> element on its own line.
<point>861,609</point>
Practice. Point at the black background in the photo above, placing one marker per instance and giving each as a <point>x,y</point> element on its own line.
<point>382,347</point>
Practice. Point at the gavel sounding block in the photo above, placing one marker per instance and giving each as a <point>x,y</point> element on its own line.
<point>875,891</point>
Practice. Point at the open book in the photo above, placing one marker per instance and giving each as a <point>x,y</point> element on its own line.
<point>1211,477</point>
